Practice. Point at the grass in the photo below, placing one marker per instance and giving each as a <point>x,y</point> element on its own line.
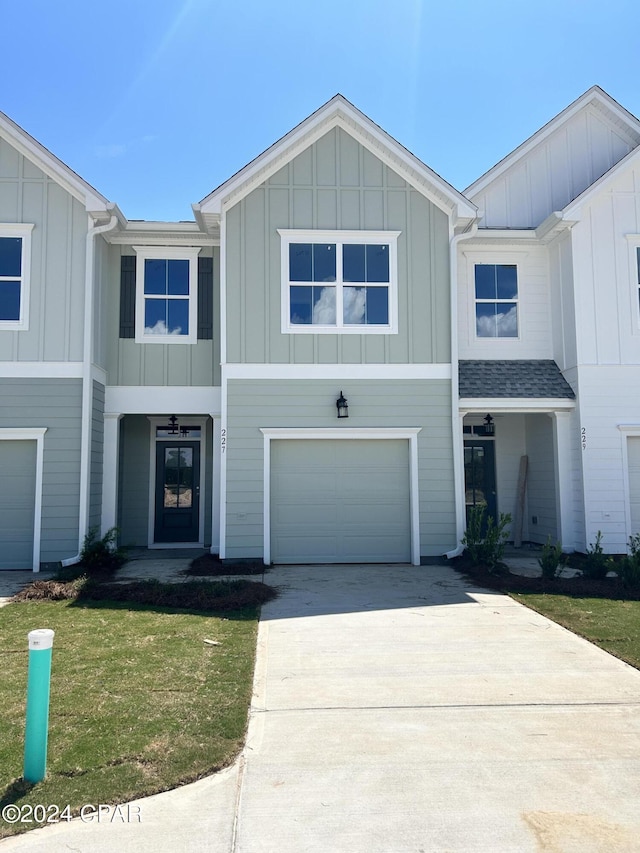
<point>140,703</point>
<point>612,624</point>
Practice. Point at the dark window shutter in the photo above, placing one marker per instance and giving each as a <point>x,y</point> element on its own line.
<point>128,296</point>
<point>205,299</point>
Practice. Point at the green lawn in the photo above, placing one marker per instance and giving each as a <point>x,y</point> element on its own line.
<point>612,624</point>
<point>139,702</point>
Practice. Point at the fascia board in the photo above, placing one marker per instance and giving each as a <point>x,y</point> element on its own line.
<point>505,405</point>
<point>338,112</point>
<point>595,95</point>
<point>51,165</point>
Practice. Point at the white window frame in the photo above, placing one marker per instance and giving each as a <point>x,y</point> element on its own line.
<point>339,238</point>
<point>23,231</point>
<point>502,262</point>
<point>163,253</point>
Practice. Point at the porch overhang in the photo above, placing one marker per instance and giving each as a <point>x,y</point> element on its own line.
<point>522,405</point>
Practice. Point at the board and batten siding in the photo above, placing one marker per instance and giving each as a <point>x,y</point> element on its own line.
<point>541,481</point>
<point>97,455</point>
<point>254,405</point>
<point>557,170</point>
<point>55,404</point>
<point>131,363</point>
<point>534,302</point>
<point>336,184</point>
<point>56,303</point>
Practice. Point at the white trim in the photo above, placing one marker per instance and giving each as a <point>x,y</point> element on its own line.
<point>338,238</point>
<point>41,370</point>
<point>628,431</point>
<point>161,422</point>
<point>163,253</point>
<point>32,434</point>
<point>99,374</point>
<point>338,371</point>
<point>491,256</point>
<point>110,470</point>
<point>562,444</point>
<point>223,465</point>
<point>23,231</point>
<point>162,399</point>
<point>356,434</point>
<point>215,489</point>
<point>504,405</point>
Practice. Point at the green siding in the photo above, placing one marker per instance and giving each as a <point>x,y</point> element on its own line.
<point>256,404</point>
<point>57,405</point>
<point>130,363</point>
<point>336,184</point>
<point>97,450</point>
<point>56,315</point>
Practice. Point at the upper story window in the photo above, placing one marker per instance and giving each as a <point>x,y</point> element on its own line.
<point>496,300</point>
<point>339,281</point>
<point>166,295</point>
<point>15,259</point>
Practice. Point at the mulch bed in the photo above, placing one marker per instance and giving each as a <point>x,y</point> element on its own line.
<point>210,565</point>
<point>578,587</point>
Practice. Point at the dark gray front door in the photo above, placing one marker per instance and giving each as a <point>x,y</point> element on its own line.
<point>480,476</point>
<point>177,491</point>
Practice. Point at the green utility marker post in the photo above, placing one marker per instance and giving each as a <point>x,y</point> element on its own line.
<point>38,687</point>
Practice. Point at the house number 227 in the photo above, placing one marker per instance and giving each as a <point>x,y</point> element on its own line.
<point>223,440</point>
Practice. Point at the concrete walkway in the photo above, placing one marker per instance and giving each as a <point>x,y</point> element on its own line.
<point>399,709</point>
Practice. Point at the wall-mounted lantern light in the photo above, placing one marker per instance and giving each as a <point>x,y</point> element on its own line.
<point>342,407</point>
<point>489,426</point>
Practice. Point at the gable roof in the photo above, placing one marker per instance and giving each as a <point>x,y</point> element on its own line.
<point>337,112</point>
<point>58,171</point>
<point>625,123</point>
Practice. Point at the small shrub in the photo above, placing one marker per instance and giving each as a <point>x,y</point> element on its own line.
<point>101,555</point>
<point>551,561</point>
<point>486,549</point>
<point>596,563</point>
<point>629,567</point>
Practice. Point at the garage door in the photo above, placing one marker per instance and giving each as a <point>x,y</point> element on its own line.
<point>633,454</point>
<point>340,501</point>
<point>17,501</point>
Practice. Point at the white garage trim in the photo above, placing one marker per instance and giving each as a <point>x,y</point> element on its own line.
<point>411,434</point>
<point>32,434</point>
<point>628,431</point>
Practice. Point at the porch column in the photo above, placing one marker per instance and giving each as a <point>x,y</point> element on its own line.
<point>110,459</point>
<point>564,478</point>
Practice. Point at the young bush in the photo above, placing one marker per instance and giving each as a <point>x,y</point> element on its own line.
<point>486,549</point>
<point>629,567</point>
<point>551,560</point>
<point>596,564</point>
<point>101,555</point>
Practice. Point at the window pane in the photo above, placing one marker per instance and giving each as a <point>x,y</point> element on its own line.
<point>353,263</point>
<point>486,281</point>
<point>507,281</point>
<point>155,316</point>
<point>377,263</point>
<point>9,300</point>
<point>354,304</point>
<point>300,305</point>
<point>11,256</point>
<point>507,320</point>
<point>378,306</point>
<point>486,320</point>
<point>178,316</point>
<point>155,276</point>
<point>324,262</point>
<point>324,306</point>
<point>178,277</point>
<point>300,262</point>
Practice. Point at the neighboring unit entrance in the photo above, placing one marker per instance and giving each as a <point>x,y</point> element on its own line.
<point>177,500</point>
<point>480,476</point>
<point>340,501</point>
<point>17,503</point>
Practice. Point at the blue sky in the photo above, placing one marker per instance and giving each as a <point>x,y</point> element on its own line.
<point>156,102</point>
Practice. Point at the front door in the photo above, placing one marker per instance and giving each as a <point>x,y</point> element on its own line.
<point>480,477</point>
<point>177,504</point>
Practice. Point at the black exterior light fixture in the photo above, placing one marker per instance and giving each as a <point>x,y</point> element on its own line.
<point>173,425</point>
<point>489,426</point>
<point>342,407</point>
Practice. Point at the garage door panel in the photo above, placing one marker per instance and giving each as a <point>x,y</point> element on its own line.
<point>633,457</point>
<point>340,501</point>
<point>17,503</point>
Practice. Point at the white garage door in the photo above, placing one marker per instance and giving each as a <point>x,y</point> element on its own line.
<point>633,454</point>
<point>17,503</point>
<point>340,501</point>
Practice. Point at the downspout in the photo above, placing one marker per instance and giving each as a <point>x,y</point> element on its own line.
<point>87,384</point>
<point>458,456</point>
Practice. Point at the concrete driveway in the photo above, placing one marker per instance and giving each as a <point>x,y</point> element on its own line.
<point>399,709</point>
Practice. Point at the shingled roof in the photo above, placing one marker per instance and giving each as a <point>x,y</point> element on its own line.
<point>522,378</point>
